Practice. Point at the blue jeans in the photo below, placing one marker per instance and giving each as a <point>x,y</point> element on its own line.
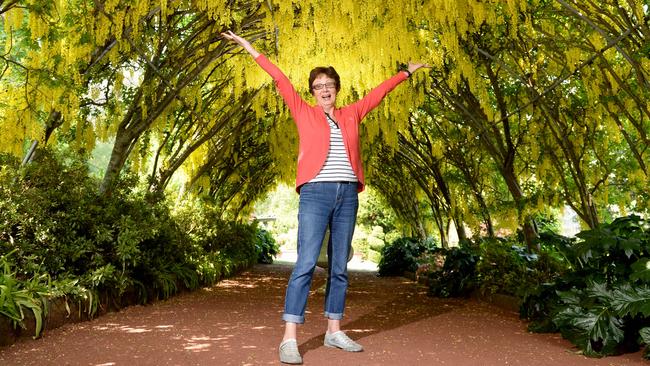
<point>322,204</point>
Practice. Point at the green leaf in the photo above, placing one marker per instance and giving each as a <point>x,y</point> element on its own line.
<point>628,300</point>
<point>641,270</point>
<point>37,308</point>
<point>584,327</point>
<point>600,239</point>
<point>645,335</point>
<point>599,291</point>
<point>629,245</point>
<point>571,297</point>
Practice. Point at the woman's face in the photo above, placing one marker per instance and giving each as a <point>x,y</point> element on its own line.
<point>324,90</point>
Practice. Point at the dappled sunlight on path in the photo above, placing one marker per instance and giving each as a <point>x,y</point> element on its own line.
<point>237,322</point>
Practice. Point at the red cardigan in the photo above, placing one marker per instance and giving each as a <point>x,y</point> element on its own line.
<point>313,129</point>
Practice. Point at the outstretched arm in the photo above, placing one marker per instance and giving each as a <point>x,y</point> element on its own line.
<point>229,35</point>
<point>286,89</point>
<point>375,96</point>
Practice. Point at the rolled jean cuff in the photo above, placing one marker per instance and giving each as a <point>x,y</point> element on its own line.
<point>293,318</point>
<point>334,316</point>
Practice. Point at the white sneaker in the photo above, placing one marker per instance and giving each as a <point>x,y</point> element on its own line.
<point>289,352</point>
<point>342,341</point>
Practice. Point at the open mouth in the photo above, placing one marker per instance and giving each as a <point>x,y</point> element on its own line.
<point>326,96</point>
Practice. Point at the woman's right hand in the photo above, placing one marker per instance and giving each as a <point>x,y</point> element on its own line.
<point>231,36</point>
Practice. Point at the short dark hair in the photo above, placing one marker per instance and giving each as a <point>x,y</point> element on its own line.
<point>327,71</point>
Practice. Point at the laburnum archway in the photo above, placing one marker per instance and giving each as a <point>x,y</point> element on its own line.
<point>529,105</point>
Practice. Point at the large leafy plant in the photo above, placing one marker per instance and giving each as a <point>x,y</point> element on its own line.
<point>602,304</point>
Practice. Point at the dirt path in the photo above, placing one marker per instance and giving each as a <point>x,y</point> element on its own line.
<point>238,322</point>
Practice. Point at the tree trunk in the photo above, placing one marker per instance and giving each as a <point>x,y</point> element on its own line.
<point>528,224</point>
<point>121,150</point>
<point>442,228</point>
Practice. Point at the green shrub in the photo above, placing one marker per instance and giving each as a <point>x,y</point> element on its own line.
<point>218,247</point>
<point>373,256</point>
<point>58,227</point>
<point>401,256</point>
<point>500,269</point>
<point>491,265</point>
<point>457,277</point>
<point>369,245</point>
<point>508,268</point>
<point>47,213</point>
<point>360,244</point>
<point>266,247</point>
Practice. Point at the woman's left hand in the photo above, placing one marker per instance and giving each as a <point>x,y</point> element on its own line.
<point>413,66</point>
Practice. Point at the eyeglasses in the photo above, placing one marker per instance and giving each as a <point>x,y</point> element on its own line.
<point>329,85</point>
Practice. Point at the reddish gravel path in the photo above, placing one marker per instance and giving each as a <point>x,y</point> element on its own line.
<point>238,323</point>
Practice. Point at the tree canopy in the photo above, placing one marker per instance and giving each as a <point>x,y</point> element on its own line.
<point>529,105</point>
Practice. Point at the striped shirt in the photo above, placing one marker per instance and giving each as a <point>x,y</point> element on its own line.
<point>337,166</point>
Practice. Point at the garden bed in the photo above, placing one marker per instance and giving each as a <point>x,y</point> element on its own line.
<point>61,311</point>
